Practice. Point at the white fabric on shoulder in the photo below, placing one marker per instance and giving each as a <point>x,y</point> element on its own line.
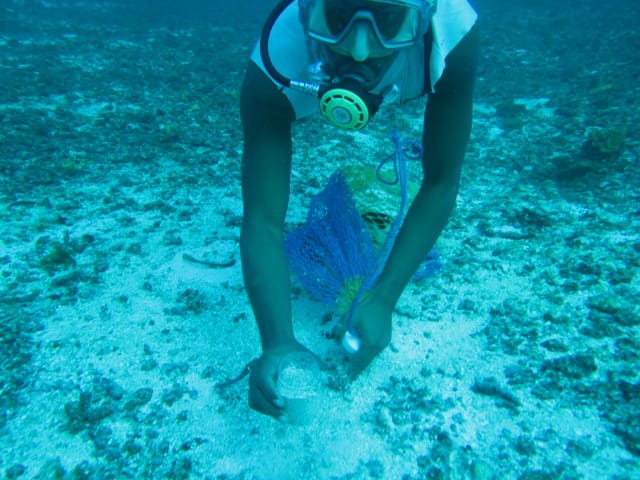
<point>452,21</point>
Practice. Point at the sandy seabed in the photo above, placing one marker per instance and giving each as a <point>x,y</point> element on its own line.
<point>120,154</point>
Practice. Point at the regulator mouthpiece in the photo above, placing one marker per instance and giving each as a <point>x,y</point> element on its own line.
<point>347,104</point>
<point>344,109</point>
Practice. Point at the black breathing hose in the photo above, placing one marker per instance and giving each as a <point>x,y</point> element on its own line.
<point>264,43</point>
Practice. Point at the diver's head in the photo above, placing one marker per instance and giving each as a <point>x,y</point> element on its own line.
<point>364,29</point>
<point>357,40</point>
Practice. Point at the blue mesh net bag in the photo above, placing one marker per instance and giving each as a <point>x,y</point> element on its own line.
<point>340,250</point>
<point>333,251</point>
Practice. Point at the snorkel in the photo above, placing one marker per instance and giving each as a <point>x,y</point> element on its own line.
<point>346,103</point>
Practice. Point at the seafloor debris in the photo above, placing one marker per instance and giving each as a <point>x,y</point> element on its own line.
<point>490,386</point>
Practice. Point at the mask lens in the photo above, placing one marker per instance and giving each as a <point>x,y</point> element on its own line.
<point>389,20</point>
<point>338,15</point>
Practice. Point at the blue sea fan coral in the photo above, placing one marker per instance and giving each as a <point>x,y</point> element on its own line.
<point>333,249</point>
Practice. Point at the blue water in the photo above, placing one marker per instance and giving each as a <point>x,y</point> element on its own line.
<point>120,152</point>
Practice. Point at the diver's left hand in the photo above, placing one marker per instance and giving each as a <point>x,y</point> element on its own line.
<point>372,323</point>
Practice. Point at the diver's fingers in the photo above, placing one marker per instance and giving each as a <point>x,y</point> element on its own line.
<point>267,402</point>
<point>361,360</point>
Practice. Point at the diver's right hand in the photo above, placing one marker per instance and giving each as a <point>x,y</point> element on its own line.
<point>263,394</point>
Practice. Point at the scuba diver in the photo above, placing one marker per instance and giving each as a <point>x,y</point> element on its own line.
<point>346,59</point>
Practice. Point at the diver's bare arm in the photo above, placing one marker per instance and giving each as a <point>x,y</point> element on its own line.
<point>447,126</point>
<point>266,164</point>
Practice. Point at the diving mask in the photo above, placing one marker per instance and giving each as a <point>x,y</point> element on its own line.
<point>390,24</point>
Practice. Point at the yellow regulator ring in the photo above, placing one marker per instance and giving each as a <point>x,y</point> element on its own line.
<point>344,109</point>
